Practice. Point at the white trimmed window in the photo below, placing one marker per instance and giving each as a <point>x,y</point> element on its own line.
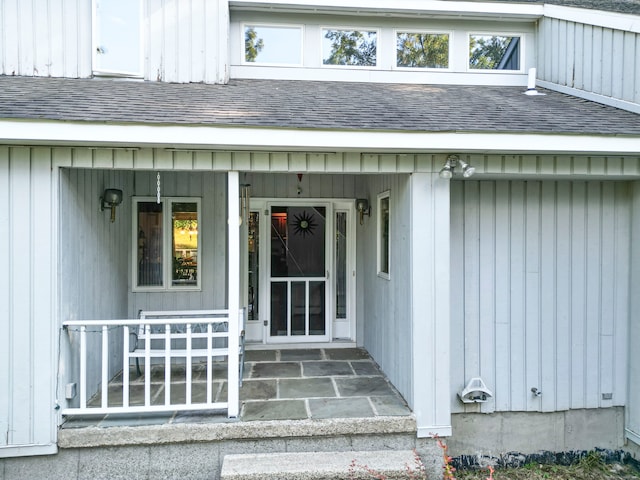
<point>384,240</point>
<point>166,244</point>
<point>272,44</point>
<point>422,49</point>
<point>349,47</point>
<point>117,37</point>
<point>494,52</point>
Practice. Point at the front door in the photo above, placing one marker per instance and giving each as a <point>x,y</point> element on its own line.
<point>298,272</point>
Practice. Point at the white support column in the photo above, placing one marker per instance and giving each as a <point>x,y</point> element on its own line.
<point>430,304</point>
<point>233,209</point>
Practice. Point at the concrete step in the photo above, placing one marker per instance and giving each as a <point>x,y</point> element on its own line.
<point>356,465</point>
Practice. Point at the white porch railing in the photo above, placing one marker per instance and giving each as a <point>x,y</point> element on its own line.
<point>160,341</point>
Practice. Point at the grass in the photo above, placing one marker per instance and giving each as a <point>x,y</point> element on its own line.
<point>591,467</point>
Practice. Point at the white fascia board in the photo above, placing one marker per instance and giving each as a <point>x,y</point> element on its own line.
<point>597,18</point>
<point>594,97</point>
<point>274,139</point>
<point>384,7</point>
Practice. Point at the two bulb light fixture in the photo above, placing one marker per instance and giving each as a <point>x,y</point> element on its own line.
<point>453,162</point>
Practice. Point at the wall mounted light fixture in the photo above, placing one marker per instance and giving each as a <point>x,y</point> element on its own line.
<point>454,161</point>
<point>363,207</point>
<point>111,198</point>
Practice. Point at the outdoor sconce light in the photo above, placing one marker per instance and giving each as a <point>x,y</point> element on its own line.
<point>111,198</point>
<point>454,161</point>
<point>363,207</point>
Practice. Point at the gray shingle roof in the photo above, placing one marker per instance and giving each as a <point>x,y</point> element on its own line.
<point>311,105</point>
<point>618,6</point>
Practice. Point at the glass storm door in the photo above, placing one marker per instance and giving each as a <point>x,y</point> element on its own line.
<point>298,274</point>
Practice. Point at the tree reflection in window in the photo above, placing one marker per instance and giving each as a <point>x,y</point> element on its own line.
<point>422,50</point>
<point>494,52</point>
<point>350,47</point>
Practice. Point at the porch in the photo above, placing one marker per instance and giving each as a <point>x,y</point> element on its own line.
<point>278,385</point>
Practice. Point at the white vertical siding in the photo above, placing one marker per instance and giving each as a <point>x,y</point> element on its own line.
<point>540,292</point>
<point>633,406</point>
<point>27,302</point>
<point>385,315</point>
<point>211,187</point>
<point>45,38</point>
<point>596,59</point>
<point>186,40</point>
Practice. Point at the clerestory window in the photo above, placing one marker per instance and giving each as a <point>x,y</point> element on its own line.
<point>166,244</point>
<point>422,50</point>
<point>273,44</point>
<point>357,48</point>
<point>494,52</point>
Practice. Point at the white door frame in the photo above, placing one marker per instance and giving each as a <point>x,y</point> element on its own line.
<point>258,330</point>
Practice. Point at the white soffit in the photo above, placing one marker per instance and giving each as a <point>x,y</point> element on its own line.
<point>424,8</point>
<point>597,18</point>
<point>270,139</point>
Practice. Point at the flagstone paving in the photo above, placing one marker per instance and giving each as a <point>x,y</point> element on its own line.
<point>277,385</point>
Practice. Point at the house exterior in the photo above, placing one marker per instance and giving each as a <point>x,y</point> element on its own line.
<point>521,274</point>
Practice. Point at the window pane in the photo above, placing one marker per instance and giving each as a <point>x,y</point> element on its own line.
<point>184,217</point>
<point>279,303</point>
<point>423,50</point>
<point>384,235</point>
<point>254,262</point>
<point>118,44</point>
<point>149,244</point>
<point>316,308</point>
<point>298,308</point>
<point>297,241</point>
<point>341,265</point>
<point>273,44</point>
<point>494,52</point>
<point>349,47</point>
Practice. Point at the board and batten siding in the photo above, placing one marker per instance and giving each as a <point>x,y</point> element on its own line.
<point>540,292</point>
<point>595,59</point>
<point>93,269</point>
<point>632,409</point>
<point>212,237</point>
<point>384,305</point>
<point>28,365</point>
<point>183,40</point>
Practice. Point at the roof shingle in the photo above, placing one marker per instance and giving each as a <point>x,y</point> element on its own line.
<point>311,105</point>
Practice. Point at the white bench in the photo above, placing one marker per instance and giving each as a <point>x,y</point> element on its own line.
<point>191,334</point>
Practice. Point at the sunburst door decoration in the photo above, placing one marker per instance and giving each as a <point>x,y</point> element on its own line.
<point>304,224</point>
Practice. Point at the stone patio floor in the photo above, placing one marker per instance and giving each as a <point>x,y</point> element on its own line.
<point>282,384</point>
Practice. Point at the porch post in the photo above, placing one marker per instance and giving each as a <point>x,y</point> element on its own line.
<point>430,303</point>
<point>233,200</point>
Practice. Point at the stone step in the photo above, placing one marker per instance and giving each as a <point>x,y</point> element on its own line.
<point>356,465</point>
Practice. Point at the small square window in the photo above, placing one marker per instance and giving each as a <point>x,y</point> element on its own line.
<point>422,50</point>
<point>273,44</point>
<point>494,52</point>
<point>349,47</point>
<point>384,243</point>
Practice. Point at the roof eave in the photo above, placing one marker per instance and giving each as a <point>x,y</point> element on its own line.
<point>203,137</point>
<point>413,8</point>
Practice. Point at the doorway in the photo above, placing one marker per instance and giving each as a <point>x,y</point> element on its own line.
<point>301,271</point>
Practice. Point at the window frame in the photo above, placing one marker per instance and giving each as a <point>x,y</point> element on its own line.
<point>95,45</point>
<point>292,26</point>
<point>450,57</point>
<point>167,245</point>
<point>379,236</point>
<point>492,71</point>
<point>358,29</point>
